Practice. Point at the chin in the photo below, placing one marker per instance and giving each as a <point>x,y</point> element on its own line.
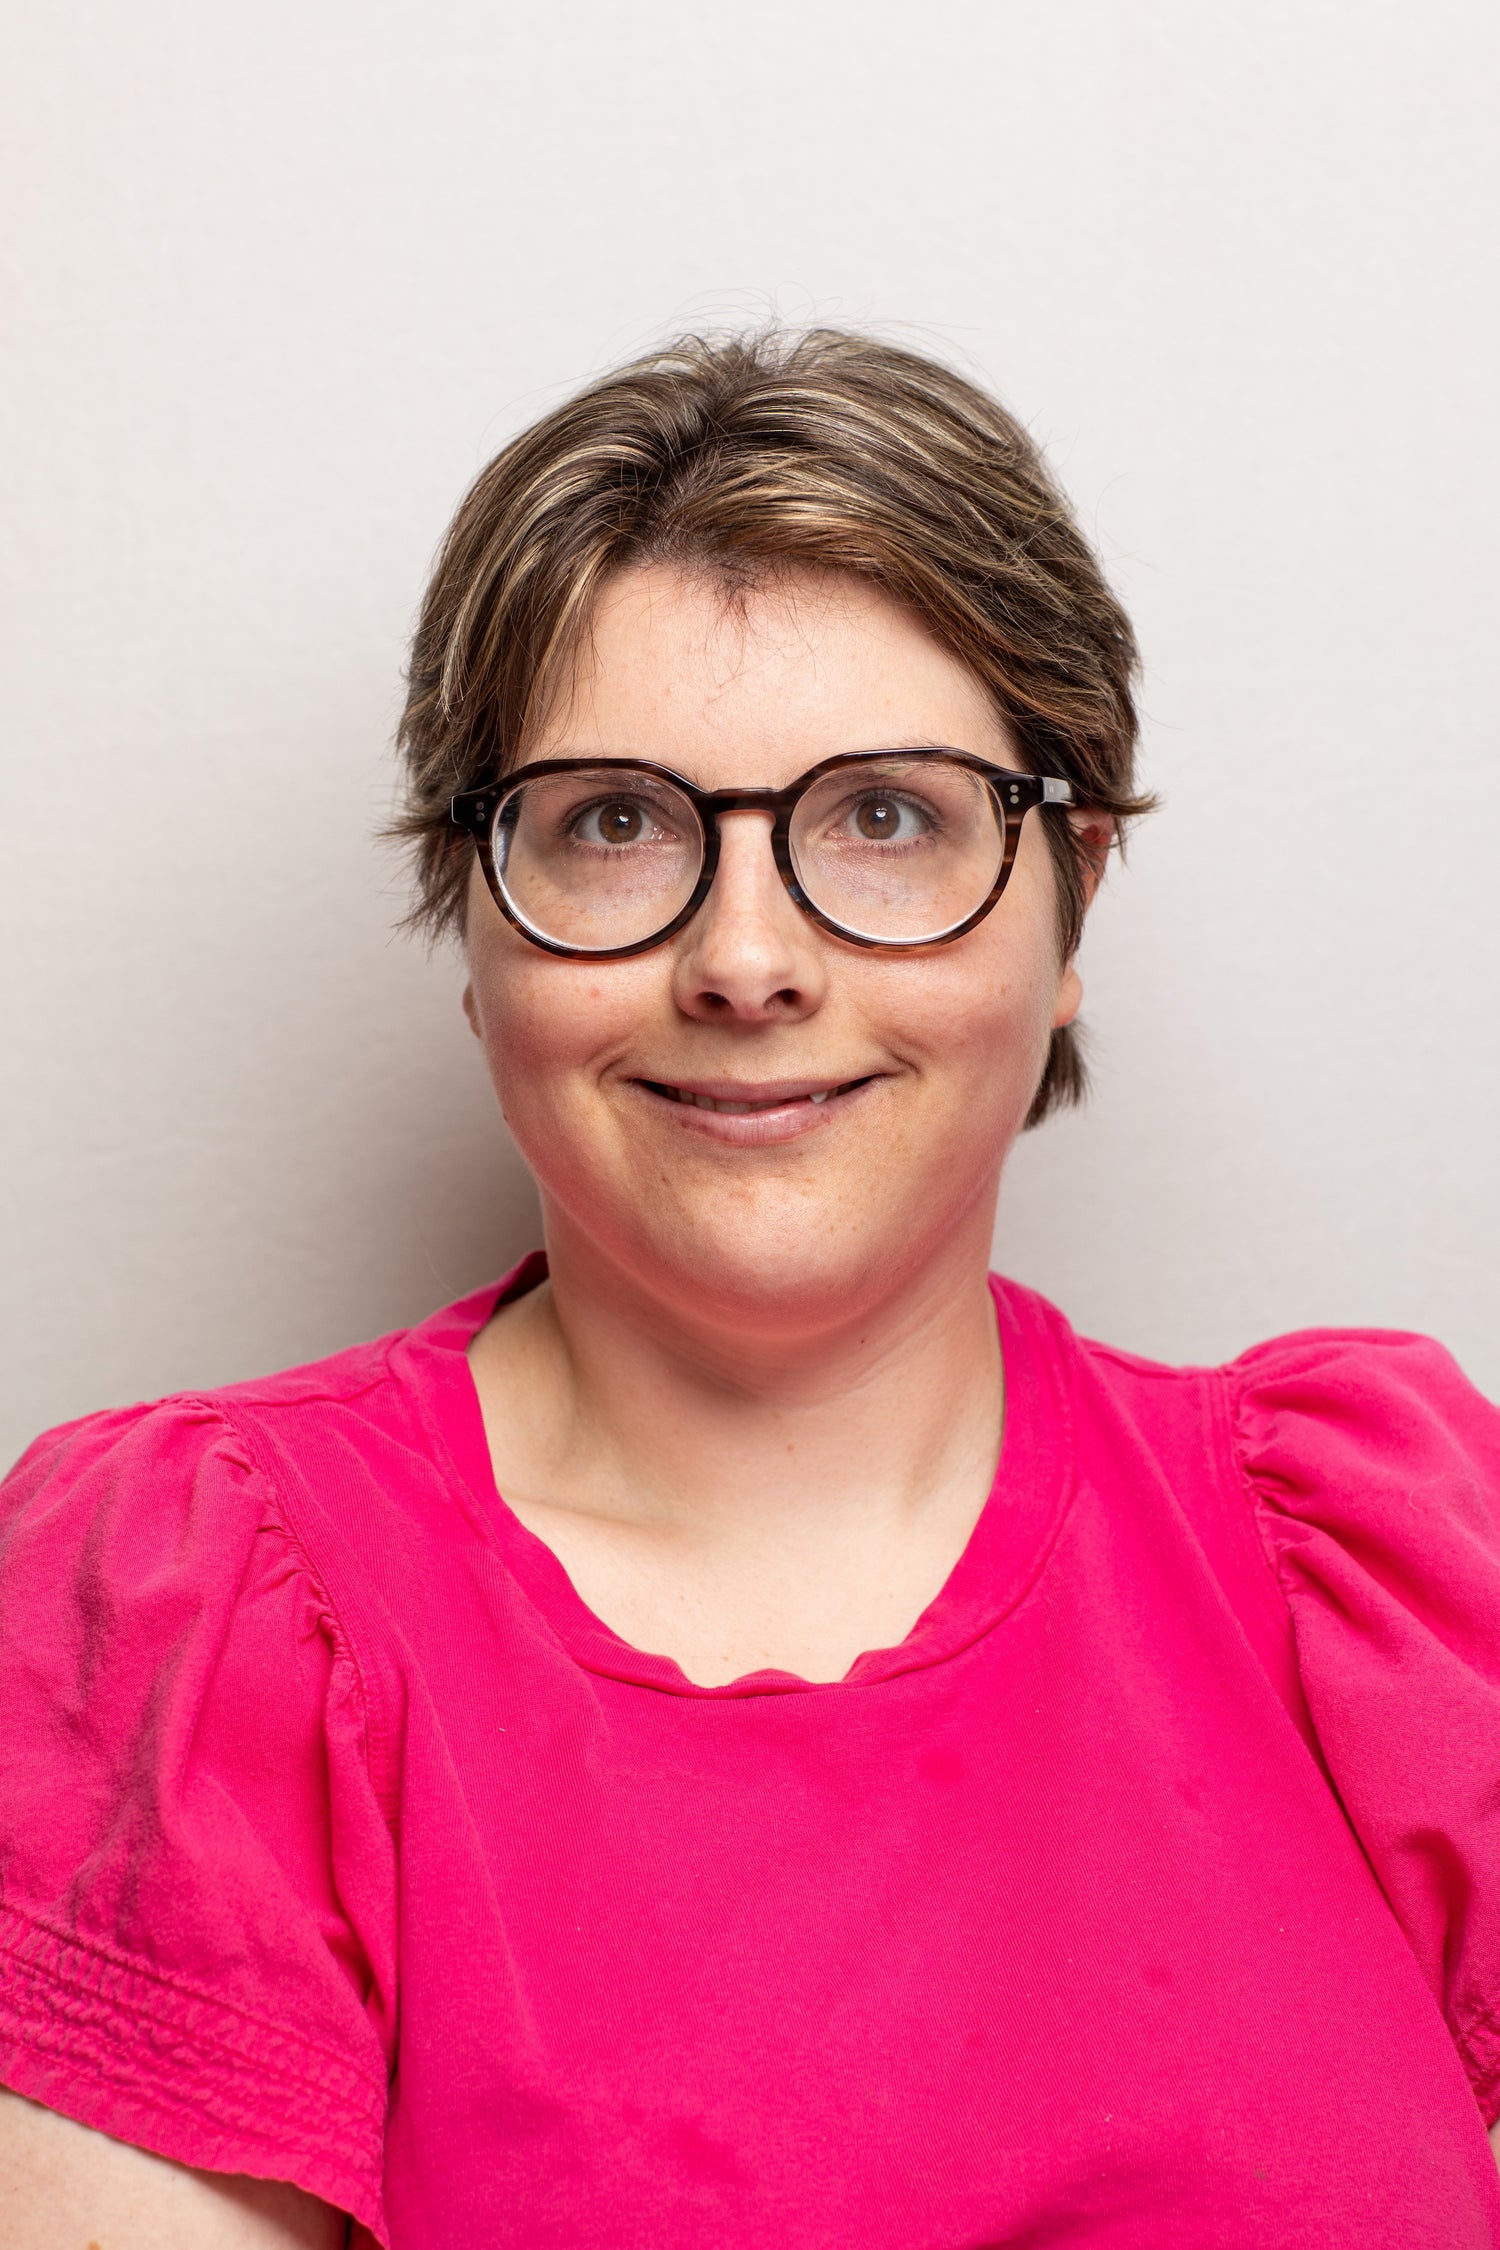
<point>779,1291</point>
<point>781,1266</point>
<point>792,1247</point>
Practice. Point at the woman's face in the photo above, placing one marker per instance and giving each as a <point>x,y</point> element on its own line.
<point>798,1212</point>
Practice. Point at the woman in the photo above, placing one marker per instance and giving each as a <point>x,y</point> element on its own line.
<point>887,1772</point>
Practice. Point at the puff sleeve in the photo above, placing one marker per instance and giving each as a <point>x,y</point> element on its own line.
<point>196,1878</point>
<point>1374,1471</point>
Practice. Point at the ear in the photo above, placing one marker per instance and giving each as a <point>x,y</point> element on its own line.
<point>1094,833</point>
<point>1069,996</point>
<point>471,1008</point>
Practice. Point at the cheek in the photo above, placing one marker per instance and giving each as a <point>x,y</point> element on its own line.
<point>988,1038</point>
<point>536,1037</point>
<point>528,1028</point>
<point>548,1029</point>
<point>990,1003</point>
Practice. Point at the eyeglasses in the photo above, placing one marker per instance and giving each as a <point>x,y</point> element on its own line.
<point>603,858</point>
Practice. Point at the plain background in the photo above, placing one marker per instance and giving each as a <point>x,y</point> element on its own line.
<point>281,277</point>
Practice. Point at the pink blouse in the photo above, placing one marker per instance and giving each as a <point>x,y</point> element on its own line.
<point>1148,1893</point>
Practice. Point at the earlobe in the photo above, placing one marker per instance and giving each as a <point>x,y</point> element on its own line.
<point>1069,997</point>
<point>471,1009</point>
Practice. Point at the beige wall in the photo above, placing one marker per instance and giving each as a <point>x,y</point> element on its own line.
<point>281,276</point>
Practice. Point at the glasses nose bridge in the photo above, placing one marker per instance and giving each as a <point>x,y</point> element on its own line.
<point>776,804</point>
<point>711,803</point>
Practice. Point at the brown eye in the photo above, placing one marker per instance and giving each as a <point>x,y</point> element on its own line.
<point>878,819</point>
<point>618,824</point>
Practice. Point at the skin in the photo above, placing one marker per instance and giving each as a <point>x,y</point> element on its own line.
<point>63,2187</point>
<point>762,1392</point>
<point>763,1389</point>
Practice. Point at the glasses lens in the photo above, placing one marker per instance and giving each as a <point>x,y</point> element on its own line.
<point>899,849</point>
<point>597,857</point>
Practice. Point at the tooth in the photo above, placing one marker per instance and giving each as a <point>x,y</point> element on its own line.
<point>818,1097</point>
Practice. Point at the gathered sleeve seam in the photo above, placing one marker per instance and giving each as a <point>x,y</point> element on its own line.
<point>283,1515</point>
<point>1231,1388</point>
<point>1235,1383</point>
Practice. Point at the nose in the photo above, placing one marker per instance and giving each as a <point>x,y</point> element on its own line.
<point>748,953</point>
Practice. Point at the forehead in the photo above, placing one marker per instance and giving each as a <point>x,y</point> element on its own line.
<point>748,685</point>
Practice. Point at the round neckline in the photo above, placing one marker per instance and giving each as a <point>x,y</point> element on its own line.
<point>1001,1558</point>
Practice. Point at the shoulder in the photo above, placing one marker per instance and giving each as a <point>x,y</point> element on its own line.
<point>1362,1440</point>
<point>1367,1466</point>
<point>159,1468</point>
<point>172,1510</point>
<point>350,1476</point>
<point>1367,1427</point>
<point>181,1457</point>
<point>1350,1402</point>
<point>245,1433</point>
<point>130,1538</point>
<point>201,1416</point>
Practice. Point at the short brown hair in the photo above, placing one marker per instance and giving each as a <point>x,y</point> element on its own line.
<point>740,454</point>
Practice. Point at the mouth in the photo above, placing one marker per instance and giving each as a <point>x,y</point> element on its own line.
<point>756,1115</point>
<point>754,1100</point>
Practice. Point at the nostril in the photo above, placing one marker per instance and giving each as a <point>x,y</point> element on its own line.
<point>787,1001</point>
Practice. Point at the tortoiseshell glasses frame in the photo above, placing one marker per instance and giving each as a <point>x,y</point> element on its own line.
<point>478,812</point>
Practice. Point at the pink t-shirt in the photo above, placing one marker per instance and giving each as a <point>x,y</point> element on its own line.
<point>1148,1893</point>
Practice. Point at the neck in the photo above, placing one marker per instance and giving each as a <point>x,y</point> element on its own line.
<point>642,1408</point>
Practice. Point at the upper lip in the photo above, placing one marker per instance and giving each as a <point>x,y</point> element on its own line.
<point>765,1090</point>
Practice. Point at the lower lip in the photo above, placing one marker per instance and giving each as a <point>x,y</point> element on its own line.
<point>759,1128</point>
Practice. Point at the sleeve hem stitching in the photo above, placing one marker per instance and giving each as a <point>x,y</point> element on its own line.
<point>97,1976</point>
